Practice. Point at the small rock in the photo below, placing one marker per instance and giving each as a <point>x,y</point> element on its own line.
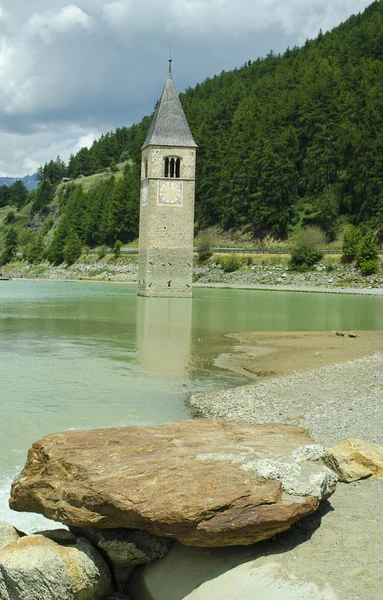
<point>353,460</point>
<point>125,549</point>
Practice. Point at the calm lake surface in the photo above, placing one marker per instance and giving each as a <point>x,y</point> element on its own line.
<point>83,355</point>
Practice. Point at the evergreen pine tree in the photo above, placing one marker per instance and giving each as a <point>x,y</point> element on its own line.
<point>35,250</point>
<point>4,195</point>
<point>18,194</point>
<point>124,208</point>
<point>55,252</point>
<point>10,246</point>
<point>75,208</point>
<point>44,196</point>
<point>72,248</point>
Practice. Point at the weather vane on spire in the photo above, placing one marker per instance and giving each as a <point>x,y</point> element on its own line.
<point>170,48</point>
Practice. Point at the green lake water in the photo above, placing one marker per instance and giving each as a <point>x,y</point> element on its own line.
<point>82,355</point>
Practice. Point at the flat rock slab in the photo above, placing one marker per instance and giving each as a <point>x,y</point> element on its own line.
<point>203,482</point>
<point>269,581</point>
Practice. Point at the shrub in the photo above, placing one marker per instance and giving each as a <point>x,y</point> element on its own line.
<point>367,248</point>
<point>303,259</point>
<point>231,263</point>
<point>351,240</point>
<point>117,249</point>
<point>102,251</point>
<point>369,267</point>
<point>367,254</point>
<point>10,218</point>
<point>306,249</point>
<point>205,242</point>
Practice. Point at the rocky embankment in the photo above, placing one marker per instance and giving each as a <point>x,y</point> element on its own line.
<point>332,276</point>
<point>98,270</point>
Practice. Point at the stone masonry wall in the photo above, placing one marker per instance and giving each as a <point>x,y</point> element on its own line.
<point>166,230</point>
<point>167,273</point>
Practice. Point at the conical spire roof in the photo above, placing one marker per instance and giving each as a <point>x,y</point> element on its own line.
<point>169,126</point>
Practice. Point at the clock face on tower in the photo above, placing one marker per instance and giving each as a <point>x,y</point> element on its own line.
<point>170,193</point>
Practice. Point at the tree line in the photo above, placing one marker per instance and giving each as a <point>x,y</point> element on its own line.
<point>106,214</point>
<point>295,139</point>
<point>285,142</point>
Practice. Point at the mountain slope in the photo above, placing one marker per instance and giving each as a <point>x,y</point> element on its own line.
<point>30,181</point>
<point>286,140</point>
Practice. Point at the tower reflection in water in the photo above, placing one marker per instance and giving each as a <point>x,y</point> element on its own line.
<point>164,336</point>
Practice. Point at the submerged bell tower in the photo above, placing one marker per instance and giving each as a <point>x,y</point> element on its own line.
<point>165,263</point>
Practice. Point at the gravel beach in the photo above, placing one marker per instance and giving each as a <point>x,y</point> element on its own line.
<point>334,402</point>
<point>340,547</point>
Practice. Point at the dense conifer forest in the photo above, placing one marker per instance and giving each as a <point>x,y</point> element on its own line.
<point>285,140</point>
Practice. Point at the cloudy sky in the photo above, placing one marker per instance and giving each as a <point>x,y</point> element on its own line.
<point>69,72</point>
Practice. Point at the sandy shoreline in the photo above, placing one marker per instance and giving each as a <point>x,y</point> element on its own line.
<point>261,355</point>
<point>373,291</point>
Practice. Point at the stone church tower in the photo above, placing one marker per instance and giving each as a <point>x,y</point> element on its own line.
<point>165,264</point>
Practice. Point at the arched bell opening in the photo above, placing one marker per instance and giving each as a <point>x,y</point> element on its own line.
<point>172,167</point>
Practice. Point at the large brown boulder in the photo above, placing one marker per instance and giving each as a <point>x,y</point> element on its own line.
<point>204,482</point>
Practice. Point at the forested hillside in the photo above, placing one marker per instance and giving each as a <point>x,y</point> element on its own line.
<point>285,140</point>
